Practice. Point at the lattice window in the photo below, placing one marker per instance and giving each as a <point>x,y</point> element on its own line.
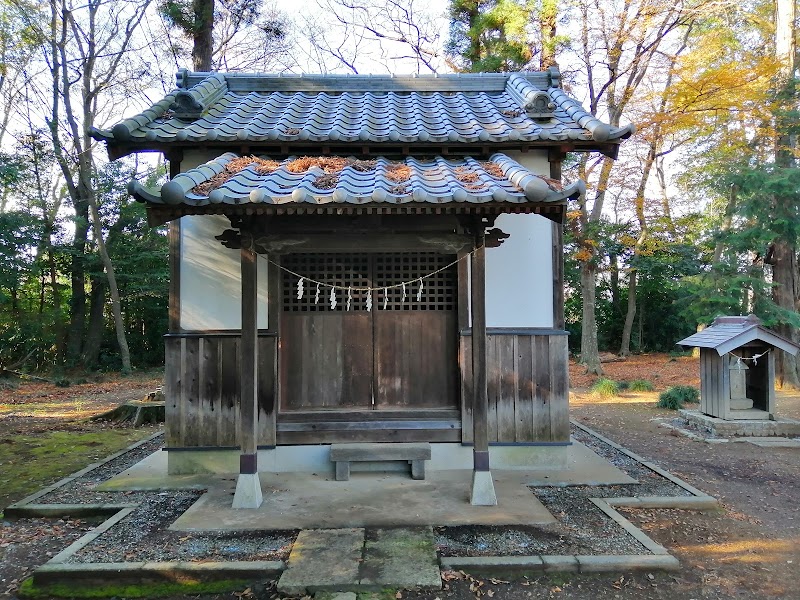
<point>438,291</point>
<point>345,270</point>
<point>377,270</point>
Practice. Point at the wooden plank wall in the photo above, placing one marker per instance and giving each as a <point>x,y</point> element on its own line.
<point>202,406</point>
<point>528,388</point>
<point>714,393</point>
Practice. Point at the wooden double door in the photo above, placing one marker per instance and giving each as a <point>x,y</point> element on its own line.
<point>393,348</point>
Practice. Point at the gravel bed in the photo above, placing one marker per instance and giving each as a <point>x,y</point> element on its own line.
<point>143,536</point>
<point>650,482</point>
<point>81,490</point>
<point>582,528</point>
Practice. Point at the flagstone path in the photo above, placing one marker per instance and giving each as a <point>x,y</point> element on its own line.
<point>361,559</point>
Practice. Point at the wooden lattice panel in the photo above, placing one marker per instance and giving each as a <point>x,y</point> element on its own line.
<point>438,291</point>
<point>379,270</point>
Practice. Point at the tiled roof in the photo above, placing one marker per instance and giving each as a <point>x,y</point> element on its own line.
<point>294,182</point>
<point>234,109</point>
<point>728,333</point>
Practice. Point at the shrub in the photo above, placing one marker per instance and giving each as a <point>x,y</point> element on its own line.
<point>687,393</point>
<point>605,388</point>
<point>640,385</point>
<point>675,397</point>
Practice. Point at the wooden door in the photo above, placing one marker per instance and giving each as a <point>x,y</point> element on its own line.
<point>325,352</point>
<point>401,354</point>
<point>415,338</point>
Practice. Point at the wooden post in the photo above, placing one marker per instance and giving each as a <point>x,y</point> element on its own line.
<point>248,486</point>
<point>483,493</point>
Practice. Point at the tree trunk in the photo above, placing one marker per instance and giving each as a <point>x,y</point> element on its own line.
<point>94,334</point>
<point>203,38</point>
<point>590,354</point>
<point>785,293</point>
<point>613,268</point>
<point>116,310</point>
<point>548,19</point>
<point>77,302</point>
<point>625,346</point>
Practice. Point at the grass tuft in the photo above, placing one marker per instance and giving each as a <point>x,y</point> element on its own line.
<point>675,397</point>
<point>640,385</point>
<point>605,388</point>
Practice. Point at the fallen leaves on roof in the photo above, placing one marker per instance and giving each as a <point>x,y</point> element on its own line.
<point>232,167</point>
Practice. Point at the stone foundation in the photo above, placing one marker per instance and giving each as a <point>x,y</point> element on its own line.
<point>749,428</point>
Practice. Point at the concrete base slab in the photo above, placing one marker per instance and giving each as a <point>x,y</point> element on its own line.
<point>581,467</point>
<point>400,558</point>
<point>323,560</point>
<point>317,458</point>
<point>303,501</point>
<point>483,493</point>
<point>248,492</point>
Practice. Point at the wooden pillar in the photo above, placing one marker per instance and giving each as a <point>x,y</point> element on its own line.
<point>483,493</point>
<point>555,158</point>
<point>248,485</point>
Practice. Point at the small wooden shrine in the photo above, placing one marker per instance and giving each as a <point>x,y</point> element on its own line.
<point>737,367</point>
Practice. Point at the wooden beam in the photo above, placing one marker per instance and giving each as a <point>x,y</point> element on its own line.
<point>174,276</point>
<point>480,406</point>
<point>483,493</point>
<point>248,487</point>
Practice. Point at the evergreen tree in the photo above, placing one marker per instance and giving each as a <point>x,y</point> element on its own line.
<point>489,35</point>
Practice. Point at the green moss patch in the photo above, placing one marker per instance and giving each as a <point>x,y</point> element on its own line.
<point>30,461</point>
<point>149,590</point>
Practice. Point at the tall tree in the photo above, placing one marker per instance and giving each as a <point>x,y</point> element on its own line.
<point>230,34</point>
<point>490,35</point>
<point>619,42</point>
<point>89,54</point>
<point>782,255</point>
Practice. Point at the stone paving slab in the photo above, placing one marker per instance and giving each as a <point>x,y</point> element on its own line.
<point>402,558</point>
<point>323,560</point>
<point>342,560</point>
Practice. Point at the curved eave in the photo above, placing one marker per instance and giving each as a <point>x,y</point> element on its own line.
<point>162,213</point>
<point>172,151</point>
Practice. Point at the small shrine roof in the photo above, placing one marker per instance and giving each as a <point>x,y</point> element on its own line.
<point>729,333</point>
<point>500,110</point>
<point>319,181</point>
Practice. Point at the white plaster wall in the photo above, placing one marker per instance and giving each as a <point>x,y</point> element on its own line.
<point>519,274</point>
<point>211,291</point>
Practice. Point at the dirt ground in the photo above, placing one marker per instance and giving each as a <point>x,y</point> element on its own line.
<point>749,549</point>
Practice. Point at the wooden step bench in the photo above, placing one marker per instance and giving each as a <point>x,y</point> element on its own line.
<point>415,454</point>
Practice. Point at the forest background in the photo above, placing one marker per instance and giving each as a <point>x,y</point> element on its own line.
<point>698,217</point>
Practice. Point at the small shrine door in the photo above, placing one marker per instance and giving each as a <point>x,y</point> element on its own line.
<point>389,349</point>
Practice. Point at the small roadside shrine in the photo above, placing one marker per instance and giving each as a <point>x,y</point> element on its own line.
<point>737,367</point>
<point>372,259</point>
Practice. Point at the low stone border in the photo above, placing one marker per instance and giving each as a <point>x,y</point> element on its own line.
<point>496,565</point>
<point>140,573</point>
<point>691,435</point>
<point>28,508</point>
